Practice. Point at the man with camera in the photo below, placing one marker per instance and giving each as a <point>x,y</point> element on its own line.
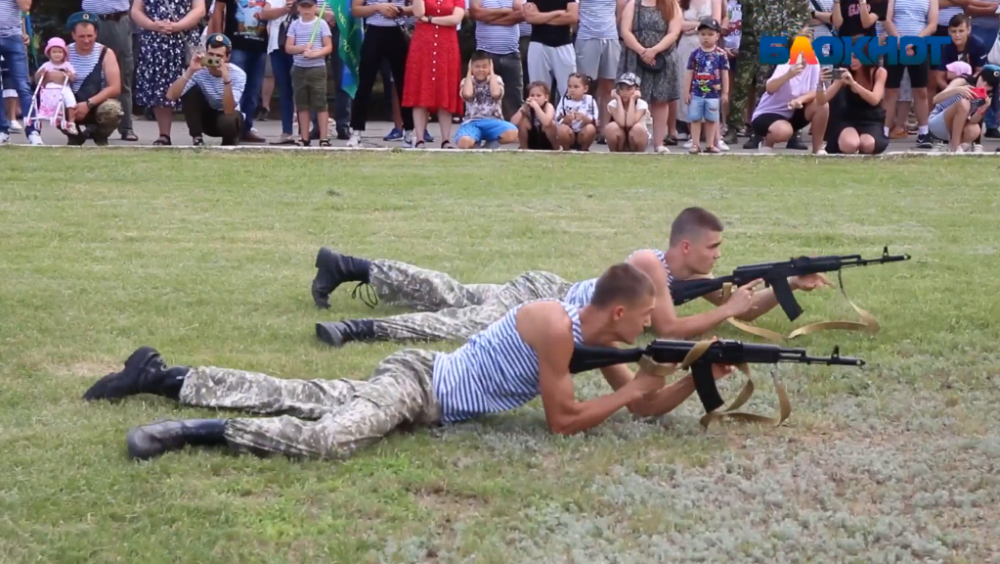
<point>210,91</point>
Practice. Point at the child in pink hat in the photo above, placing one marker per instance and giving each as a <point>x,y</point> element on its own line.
<point>56,75</point>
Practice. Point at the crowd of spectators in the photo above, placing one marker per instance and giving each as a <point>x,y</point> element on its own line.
<point>635,75</point>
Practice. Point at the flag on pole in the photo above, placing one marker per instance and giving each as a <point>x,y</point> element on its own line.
<point>349,47</point>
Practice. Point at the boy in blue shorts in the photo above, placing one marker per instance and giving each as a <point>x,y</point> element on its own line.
<point>482,91</point>
<point>708,77</point>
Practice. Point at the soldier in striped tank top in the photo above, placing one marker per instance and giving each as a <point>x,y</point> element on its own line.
<point>452,311</point>
<point>97,83</point>
<point>523,355</point>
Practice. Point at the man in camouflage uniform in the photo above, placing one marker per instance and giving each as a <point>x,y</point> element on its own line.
<point>782,18</point>
<point>452,311</point>
<point>98,111</point>
<point>331,419</point>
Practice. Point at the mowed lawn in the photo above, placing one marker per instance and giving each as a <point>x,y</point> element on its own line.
<point>209,257</point>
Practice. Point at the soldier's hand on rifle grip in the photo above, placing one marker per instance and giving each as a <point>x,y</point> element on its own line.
<point>810,282</point>
<point>741,300</point>
<point>720,371</point>
<point>652,375</point>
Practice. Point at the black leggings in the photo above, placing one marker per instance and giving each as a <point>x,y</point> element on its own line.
<point>380,44</point>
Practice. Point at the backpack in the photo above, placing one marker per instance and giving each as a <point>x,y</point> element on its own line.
<point>293,14</point>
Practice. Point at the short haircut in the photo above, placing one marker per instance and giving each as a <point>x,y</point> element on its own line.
<point>622,283</point>
<point>479,56</point>
<point>693,221</point>
<point>959,19</point>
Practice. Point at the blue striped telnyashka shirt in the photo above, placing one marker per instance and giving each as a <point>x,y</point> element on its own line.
<point>212,87</point>
<point>598,19</point>
<point>497,39</point>
<point>581,293</point>
<point>10,19</point>
<point>378,20</point>
<point>494,371</point>
<point>83,65</point>
<point>525,29</point>
<point>940,108</point>
<point>910,16</point>
<point>102,7</point>
<point>302,31</point>
<point>945,14</point>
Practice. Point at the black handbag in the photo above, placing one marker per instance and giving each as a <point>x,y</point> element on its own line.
<point>283,28</point>
<point>659,63</point>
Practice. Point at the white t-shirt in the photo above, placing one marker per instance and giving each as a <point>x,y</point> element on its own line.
<point>586,106</point>
<point>272,25</point>
<point>640,105</point>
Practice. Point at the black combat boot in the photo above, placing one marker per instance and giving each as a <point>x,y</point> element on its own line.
<point>152,440</point>
<point>334,269</point>
<point>336,333</point>
<point>144,373</point>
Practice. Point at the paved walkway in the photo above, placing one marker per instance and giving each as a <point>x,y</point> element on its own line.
<point>271,130</point>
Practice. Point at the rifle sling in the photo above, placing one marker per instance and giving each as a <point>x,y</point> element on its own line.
<point>709,394</point>
<point>868,322</point>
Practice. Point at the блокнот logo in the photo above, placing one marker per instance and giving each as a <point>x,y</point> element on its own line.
<point>829,50</point>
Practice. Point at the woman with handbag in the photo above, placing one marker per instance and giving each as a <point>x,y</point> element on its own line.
<point>649,30</point>
<point>386,39</point>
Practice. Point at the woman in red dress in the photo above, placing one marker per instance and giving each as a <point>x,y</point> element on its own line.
<point>433,67</point>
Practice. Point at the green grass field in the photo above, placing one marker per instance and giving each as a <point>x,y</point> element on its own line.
<point>209,256</point>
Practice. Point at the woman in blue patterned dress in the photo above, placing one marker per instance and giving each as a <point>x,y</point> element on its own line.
<point>170,31</point>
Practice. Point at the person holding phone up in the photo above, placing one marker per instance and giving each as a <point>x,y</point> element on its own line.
<point>789,104</point>
<point>856,115</point>
<point>210,91</point>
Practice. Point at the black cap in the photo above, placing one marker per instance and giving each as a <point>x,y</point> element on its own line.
<point>708,22</point>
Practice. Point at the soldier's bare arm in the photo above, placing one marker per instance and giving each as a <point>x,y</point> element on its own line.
<point>547,329</point>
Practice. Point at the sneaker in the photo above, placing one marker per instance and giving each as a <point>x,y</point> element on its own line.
<point>977,148</point>
<point>15,126</point>
<point>4,138</point>
<point>765,150</point>
<point>722,146</point>
<point>428,137</point>
<point>35,139</point>
<point>355,139</point>
<point>991,132</point>
<point>395,135</point>
<point>688,144</point>
<point>408,137</point>
<point>924,141</point>
<point>662,150</point>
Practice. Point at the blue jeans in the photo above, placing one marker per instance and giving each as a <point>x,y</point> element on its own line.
<point>281,68</point>
<point>988,35</point>
<point>254,65</point>
<point>16,59</point>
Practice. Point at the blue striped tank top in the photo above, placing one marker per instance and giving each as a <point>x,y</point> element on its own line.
<point>940,108</point>
<point>84,65</point>
<point>945,14</point>
<point>581,293</point>
<point>494,371</point>
<point>910,16</point>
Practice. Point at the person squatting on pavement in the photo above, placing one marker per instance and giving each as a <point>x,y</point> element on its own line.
<point>96,85</point>
<point>449,310</point>
<point>524,354</point>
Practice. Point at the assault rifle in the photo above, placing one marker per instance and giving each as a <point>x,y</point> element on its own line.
<point>775,275</point>
<point>700,356</point>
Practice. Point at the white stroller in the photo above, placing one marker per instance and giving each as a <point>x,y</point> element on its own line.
<point>49,104</point>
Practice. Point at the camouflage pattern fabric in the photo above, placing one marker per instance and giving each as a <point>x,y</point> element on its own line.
<point>401,284</point>
<point>100,123</point>
<point>776,18</point>
<point>450,324</point>
<point>326,419</point>
<point>747,63</point>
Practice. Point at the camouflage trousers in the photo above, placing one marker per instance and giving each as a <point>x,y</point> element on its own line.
<point>99,124</point>
<point>448,310</point>
<point>326,419</point>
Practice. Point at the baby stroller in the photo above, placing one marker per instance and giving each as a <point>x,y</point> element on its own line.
<point>47,104</point>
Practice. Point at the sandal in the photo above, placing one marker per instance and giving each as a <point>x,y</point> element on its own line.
<point>162,140</point>
<point>694,150</point>
<point>302,142</point>
<point>419,145</point>
<point>446,144</point>
<point>713,150</point>
<point>129,135</point>
<point>324,143</point>
<point>198,141</point>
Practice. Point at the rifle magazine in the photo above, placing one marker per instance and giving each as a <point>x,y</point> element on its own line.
<point>868,323</point>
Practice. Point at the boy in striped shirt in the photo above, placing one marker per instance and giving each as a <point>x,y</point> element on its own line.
<point>523,355</point>
<point>309,41</point>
